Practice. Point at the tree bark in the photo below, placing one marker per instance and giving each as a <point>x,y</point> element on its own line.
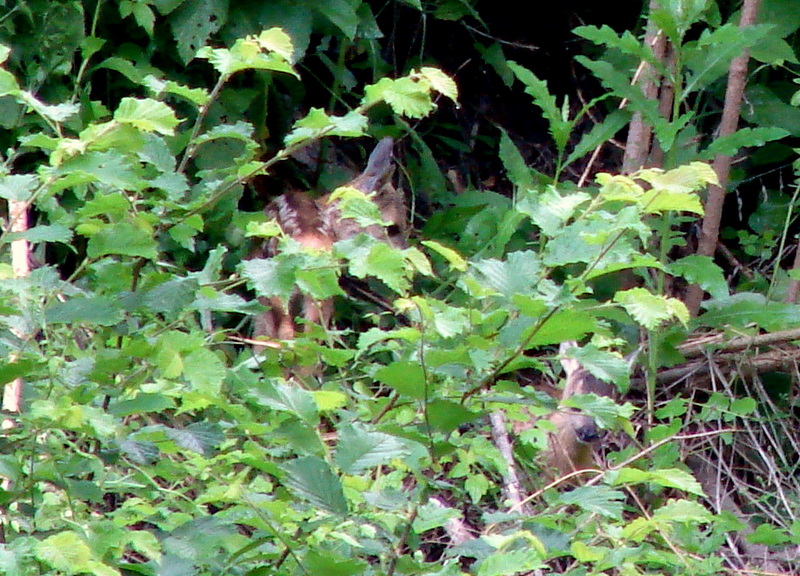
<point>737,80</point>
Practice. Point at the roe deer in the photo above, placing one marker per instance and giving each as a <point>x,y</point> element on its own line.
<point>317,224</point>
<point>571,446</point>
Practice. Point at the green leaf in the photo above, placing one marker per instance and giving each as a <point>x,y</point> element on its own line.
<point>37,234</point>
<point>599,135</point>
<point>683,511</point>
<point>431,516</point>
<point>405,96</point>
<point>505,563</point>
<point>769,536</point>
<point>440,82</point>
<point>200,437</point>
<point>744,308</point>
<point>559,127</point>
<point>312,479</point>
<point>142,404</point>
<point>518,172</point>
<point>327,563</point>
<point>286,398</point>
<point>342,14</point>
<point>269,277</point>
<point>361,448</point>
<point>18,187</point>
<point>245,54</point>
<point>96,310</point>
<point>703,271</point>
<point>122,239</point>
<point>666,477</point>
<point>446,416</point>
<point>110,168</point>
<point>147,115</point>
<point>730,144</point>
<point>408,378</point>
<point>453,258</point>
<point>651,310</point>
<point>562,326</point>
<point>598,499</point>
<point>675,478</point>
<point>278,41</point>
<point>193,23</point>
<point>204,370</point>
<point>65,552</point>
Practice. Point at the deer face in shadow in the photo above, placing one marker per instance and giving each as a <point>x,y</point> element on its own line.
<point>571,446</point>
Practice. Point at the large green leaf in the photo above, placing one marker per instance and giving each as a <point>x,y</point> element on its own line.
<point>312,479</point>
<point>361,448</point>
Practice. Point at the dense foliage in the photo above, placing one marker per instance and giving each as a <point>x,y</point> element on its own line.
<point>151,439</point>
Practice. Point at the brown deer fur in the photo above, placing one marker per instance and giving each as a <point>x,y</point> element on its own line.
<point>317,224</point>
<point>571,445</point>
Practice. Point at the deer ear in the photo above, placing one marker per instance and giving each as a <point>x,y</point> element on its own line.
<point>379,168</point>
<point>570,365</point>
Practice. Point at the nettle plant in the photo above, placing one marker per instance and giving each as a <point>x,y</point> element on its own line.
<point>151,442</point>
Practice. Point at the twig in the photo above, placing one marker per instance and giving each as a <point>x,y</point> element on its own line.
<point>511,484</point>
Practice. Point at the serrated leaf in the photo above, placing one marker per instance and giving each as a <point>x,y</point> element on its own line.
<point>745,308</point>
<point>147,115</point>
<point>269,277</point>
<point>140,452</point>
<point>537,89</point>
<point>110,168</point>
<point>505,563</point>
<point>598,135</point>
<point>286,398</point>
<point>408,378</point>
<point>405,96</point>
<point>431,516</point>
<point>312,479</point>
<point>768,535</point>
<point>278,41</point>
<point>328,400</point>
<point>122,239</point>
<point>703,271</point>
<point>204,370</point>
<point>142,404</point>
<point>66,552</point>
<point>18,187</point>
<point>562,326</point>
<point>53,233</point>
<point>361,448</point>
<point>651,310</point>
<point>193,23</point>
<point>96,310</point>
<point>513,162</point>
<point>676,478</point>
<point>200,437</point>
<point>730,144</point>
<point>440,82</point>
<point>446,415</point>
<point>598,499</point>
<point>683,511</point>
<point>453,258</point>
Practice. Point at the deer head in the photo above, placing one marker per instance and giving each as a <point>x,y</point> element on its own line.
<point>571,446</point>
<point>317,224</point>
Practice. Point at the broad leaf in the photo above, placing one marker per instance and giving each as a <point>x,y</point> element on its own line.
<point>312,479</point>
